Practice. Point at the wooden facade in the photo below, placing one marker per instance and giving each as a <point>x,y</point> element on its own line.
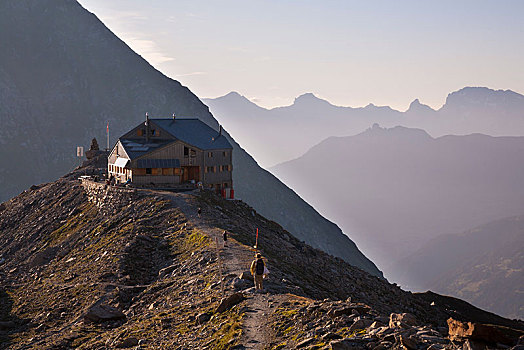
<point>187,162</point>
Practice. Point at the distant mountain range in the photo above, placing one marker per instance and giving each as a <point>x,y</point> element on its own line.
<point>396,189</point>
<point>64,75</point>
<point>279,134</point>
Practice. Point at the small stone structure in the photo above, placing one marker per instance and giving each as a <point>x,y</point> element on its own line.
<point>106,197</point>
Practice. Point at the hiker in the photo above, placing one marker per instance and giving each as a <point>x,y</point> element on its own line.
<point>224,236</point>
<point>258,269</point>
<point>199,211</point>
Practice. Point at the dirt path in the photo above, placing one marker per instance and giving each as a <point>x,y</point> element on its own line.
<point>235,259</point>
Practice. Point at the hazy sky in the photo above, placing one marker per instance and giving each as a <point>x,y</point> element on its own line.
<point>348,52</point>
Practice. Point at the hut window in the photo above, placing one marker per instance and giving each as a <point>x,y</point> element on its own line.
<point>140,132</point>
<point>186,151</point>
<point>224,153</point>
<point>210,154</point>
<point>148,171</point>
<point>153,132</point>
<point>193,153</point>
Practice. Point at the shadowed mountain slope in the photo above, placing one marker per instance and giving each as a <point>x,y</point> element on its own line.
<point>483,266</point>
<point>64,75</point>
<point>398,188</point>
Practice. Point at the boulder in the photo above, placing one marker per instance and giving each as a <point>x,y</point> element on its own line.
<point>409,343</point>
<point>239,284</point>
<point>230,301</point>
<point>246,275</point>
<point>305,342</point>
<point>360,324</point>
<point>103,313</point>
<point>203,318</point>
<point>348,309</point>
<point>405,320</point>
<point>482,332</point>
<point>127,343</point>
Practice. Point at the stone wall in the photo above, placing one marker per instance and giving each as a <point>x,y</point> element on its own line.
<point>108,198</point>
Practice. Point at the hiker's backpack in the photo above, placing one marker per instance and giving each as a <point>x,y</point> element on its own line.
<point>260,267</point>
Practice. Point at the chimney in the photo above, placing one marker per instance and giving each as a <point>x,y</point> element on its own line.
<point>220,131</point>
<point>147,127</point>
<point>174,116</point>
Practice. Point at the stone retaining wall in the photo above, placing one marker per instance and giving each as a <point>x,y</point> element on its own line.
<point>106,197</point>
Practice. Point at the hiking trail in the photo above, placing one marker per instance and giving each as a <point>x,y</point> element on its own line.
<point>235,259</point>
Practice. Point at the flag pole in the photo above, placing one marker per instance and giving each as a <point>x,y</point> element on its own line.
<point>107,132</point>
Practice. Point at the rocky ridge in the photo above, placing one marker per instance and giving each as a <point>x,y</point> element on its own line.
<point>96,267</point>
<point>66,75</point>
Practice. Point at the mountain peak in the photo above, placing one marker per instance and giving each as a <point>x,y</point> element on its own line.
<point>415,103</point>
<point>233,95</point>
<point>416,106</point>
<point>308,97</point>
<point>482,97</point>
<point>233,98</point>
<point>396,132</point>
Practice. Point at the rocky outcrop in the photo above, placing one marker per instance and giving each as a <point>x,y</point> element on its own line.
<point>491,334</point>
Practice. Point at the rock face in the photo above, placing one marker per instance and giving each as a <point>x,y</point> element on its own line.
<point>83,77</point>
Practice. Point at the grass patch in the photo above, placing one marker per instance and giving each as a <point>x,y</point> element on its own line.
<point>286,312</point>
<point>73,225</point>
<point>229,332</point>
